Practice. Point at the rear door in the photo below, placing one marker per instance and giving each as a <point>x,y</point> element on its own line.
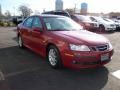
<point>26,31</point>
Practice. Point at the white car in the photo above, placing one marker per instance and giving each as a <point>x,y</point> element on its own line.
<point>117,23</point>
<point>104,25</point>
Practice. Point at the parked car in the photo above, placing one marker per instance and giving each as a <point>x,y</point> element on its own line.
<point>103,24</point>
<point>18,19</point>
<point>86,22</point>
<point>117,23</point>
<point>63,13</point>
<point>64,42</point>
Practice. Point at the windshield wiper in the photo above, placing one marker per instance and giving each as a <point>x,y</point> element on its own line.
<point>59,30</point>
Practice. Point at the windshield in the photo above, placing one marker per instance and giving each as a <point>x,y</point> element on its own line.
<point>109,20</point>
<point>100,19</point>
<point>84,18</point>
<point>61,23</point>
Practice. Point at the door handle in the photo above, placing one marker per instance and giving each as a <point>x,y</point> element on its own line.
<point>29,31</point>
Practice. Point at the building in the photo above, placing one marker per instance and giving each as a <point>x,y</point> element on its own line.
<point>58,5</point>
<point>84,8</point>
<point>114,14</point>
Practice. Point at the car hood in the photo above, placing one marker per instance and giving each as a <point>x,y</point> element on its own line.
<point>107,23</point>
<point>82,36</point>
<point>90,22</point>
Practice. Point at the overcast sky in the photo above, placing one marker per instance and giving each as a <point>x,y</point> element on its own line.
<point>99,6</point>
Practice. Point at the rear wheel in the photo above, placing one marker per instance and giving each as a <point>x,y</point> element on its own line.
<point>53,57</point>
<point>20,42</point>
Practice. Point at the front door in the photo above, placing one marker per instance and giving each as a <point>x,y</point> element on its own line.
<point>37,37</point>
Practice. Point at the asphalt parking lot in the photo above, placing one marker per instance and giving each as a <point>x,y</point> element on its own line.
<point>22,69</point>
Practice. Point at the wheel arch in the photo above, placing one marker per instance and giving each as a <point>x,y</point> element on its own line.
<point>47,48</point>
<point>51,44</point>
<point>101,25</point>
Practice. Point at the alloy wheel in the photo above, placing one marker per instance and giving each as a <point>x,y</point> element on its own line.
<point>52,57</point>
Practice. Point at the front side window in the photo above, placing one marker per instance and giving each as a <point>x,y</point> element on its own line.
<point>61,23</point>
<point>100,19</point>
<point>93,19</point>
<point>28,22</point>
<point>37,23</point>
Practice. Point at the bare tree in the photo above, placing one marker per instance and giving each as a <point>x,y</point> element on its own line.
<point>25,10</point>
<point>8,14</point>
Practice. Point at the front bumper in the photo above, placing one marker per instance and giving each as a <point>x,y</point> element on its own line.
<point>117,27</point>
<point>110,28</point>
<point>85,60</point>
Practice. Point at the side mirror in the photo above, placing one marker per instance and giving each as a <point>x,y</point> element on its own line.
<point>37,29</point>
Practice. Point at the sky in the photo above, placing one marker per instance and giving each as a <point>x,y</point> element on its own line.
<point>94,6</point>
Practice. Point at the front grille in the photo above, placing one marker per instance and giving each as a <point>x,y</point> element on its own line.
<point>117,25</point>
<point>99,48</point>
<point>112,25</point>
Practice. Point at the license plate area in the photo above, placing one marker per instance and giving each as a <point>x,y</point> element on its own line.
<point>105,57</point>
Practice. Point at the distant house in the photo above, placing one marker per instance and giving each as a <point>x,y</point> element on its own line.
<point>17,19</point>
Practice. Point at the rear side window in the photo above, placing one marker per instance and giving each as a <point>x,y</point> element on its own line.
<point>37,22</point>
<point>28,22</point>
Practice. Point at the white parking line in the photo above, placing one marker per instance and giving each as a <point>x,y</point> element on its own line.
<point>2,76</point>
<point>21,72</point>
<point>116,74</point>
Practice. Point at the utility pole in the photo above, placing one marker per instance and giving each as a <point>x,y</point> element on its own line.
<point>44,10</point>
<point>75,9</point>
<point>14,10</point>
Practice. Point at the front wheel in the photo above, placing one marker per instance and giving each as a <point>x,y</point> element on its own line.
<point>101,28</point>
<point>53,57</point>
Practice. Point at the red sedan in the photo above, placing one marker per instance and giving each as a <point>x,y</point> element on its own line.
<point>64,42</point>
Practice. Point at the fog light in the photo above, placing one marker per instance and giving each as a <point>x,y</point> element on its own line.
<point>74,62</point>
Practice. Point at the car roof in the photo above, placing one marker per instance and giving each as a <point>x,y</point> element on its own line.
<point>62,13</point>
<point>48,15</point>
<point>55,11</point>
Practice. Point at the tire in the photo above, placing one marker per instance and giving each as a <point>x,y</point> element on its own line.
<point>53,57</point>
<point>20,42</point>
<point>101,28</point>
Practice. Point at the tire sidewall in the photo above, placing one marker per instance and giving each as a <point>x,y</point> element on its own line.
<point>21,46</point>
<point>58,58</point>
<point>101,28</point>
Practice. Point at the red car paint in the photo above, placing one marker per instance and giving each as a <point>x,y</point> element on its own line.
<point>38,41</point>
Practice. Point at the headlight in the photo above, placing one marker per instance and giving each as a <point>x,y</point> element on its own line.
<point>79,47</point>
<point>110,46</point>
<point>108,26</point>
